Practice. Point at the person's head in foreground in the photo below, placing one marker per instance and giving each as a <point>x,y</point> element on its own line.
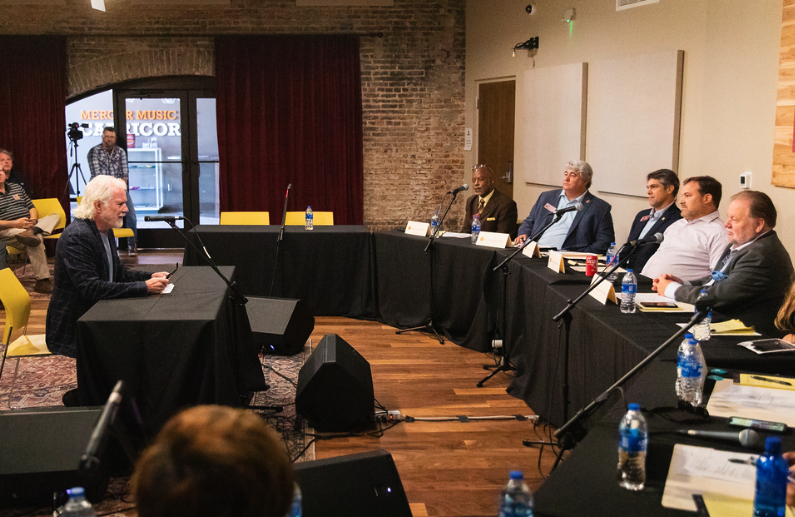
<point>215,461</point>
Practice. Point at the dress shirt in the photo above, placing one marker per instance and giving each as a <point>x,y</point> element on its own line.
<point>113,163</point>
<point>689,248</point>
<point>554,237</point>
<point>653,218</point>
<point>485,199</point>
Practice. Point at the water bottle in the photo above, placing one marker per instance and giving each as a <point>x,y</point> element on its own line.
<point>516,498</point>
<point>629,288</point>
<point>78,505</point>
<point>435,223</point>
<point>632,443</point>
<point>691,371</point>
<point>475,228</point>
<point>309,222</point>
<point>295,508</point>
<point>771,481</point>
<point>701,329</point>
<point>610,259</point>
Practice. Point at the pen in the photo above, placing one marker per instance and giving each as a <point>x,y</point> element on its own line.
<point>766,379</point>
<point>175,270</point>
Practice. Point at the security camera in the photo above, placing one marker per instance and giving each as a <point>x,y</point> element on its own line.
<point>530,9</point>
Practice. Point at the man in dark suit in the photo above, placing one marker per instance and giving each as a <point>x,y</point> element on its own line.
<point>752,277</point>
<point>87,267</point>
<point>497,211</point>
<point>661,188</point>
<point>589,229</point>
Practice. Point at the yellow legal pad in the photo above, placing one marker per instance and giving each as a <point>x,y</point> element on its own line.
<point>733,327</point>
<point>746,379</point>
<point>726,506</point>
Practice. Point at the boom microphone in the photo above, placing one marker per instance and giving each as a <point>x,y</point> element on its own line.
<point>576,207</point>
<point>459,189</point>
<point>747,437</point>
<point>657,238</point>
<point>166,218</point>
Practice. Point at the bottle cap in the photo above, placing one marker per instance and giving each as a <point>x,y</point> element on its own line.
<point>612,243</point>
<point>633,407</point>
<point>517,474</point>
<point>689,335</point>
<point>76,492</point>
<point>629,271</point>
<point>773,445</point>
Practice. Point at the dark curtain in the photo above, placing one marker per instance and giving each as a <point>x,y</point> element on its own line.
<point>289,110</point>
<point>32,111</point>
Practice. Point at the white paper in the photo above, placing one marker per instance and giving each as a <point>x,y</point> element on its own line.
<point>168,289</point>
<point>729,399</point>
<point>457,235</point>
<point>468,139</point>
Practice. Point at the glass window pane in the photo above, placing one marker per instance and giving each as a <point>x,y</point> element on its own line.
<point>155,187</point>
<point>155,124</point>
<point>206,130</point>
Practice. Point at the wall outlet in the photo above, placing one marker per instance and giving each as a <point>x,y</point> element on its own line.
<point>745,180</point>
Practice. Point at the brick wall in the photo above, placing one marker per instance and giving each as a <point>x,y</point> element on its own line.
<point>412,76</point>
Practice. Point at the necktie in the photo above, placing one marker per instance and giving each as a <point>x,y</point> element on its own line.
<point>480,206</point>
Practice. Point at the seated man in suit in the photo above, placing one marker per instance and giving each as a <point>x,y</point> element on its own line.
<point>694,243</point>
<point>589,230</point>
<point>87,267</point>
<point>497,211</point>
<point>661,187</point>
<point>751,278</point>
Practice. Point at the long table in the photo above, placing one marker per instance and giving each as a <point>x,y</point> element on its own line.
<point>192,346</point>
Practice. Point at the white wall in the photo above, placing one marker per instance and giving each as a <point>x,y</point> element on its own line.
<point>729,89</point>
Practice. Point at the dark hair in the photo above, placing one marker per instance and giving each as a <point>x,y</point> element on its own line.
<point>109,128</point>
<point>762,206</point>
<point>667,177</point>
<point>214,460</point>
<point>708,185</point>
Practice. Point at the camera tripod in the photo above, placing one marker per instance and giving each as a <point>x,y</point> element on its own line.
<point>75,168</point>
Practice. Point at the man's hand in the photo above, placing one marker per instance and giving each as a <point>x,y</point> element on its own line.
<point>23,223</point>
<point>660,283</point>
<point>160,274</point>
<point>520,239</point>
<point>790,457</point>
<point>156,285</point>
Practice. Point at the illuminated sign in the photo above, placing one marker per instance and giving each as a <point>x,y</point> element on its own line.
<point>135,128</point>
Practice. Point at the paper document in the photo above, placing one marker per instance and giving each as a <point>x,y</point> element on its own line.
<point>168,289</point>
<point>729,399</point>
<point>734,326</point>
<point>767,381</point>
<point>457,235</point>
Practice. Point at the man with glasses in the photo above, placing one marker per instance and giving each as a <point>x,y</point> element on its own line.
<point>587,230</point>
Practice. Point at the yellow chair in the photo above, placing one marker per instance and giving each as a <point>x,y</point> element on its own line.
<point>13,251</point>
<point>319,218</point>
<point>17,308</point>
<point>246,218</point>
<point>49,206</point>
<point>118,233</point>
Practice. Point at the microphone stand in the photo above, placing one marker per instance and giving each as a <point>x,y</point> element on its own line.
<point>566,435</point>
<point>279,239</point>
<point>505,361</point>
<point>430,327</point>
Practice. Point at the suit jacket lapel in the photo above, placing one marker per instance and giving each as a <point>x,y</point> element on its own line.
<point>586,203</point>
<point>668,213</point>
<point>490,207</point>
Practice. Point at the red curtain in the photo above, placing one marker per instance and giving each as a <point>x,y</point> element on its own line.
<point>289,110</point>
<point>32,111</point>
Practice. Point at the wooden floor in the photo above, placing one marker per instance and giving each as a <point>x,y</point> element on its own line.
<point>447,468</point>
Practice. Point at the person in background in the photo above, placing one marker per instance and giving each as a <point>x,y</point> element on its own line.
<point>14,174</point>
<point>496,210</point>
<point>215,461</point>
<point>661,188</point>
<point>589,230</point>
<point>108,159</point>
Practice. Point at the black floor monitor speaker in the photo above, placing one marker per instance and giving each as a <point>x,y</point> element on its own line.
<point>280,326</point>
<point>357,485</point>
<point>335,387</point>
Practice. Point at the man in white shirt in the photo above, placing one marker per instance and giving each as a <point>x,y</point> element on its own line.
<point>694,243</point>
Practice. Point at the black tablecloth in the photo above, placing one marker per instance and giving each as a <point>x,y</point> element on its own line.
<point>192,346</point>
<point>330,268</point>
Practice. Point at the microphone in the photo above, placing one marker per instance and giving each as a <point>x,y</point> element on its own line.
<point>166,218</point>
<point>747,437</point>
<point>459,189</point>
<point>289,186</point>
<point>574,208</point>
<point>657,238</point>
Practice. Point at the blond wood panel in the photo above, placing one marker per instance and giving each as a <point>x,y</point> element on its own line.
<point>783,170</point>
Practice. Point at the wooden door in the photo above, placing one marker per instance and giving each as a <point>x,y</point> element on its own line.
<point>496,102</point>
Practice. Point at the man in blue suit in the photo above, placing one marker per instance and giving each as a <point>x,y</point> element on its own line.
<point>661,188</point>
<point>589,229</point>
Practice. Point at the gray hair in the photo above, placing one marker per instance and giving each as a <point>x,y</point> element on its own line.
<point>101,188</point>
<point>3,151</point>
<point>583,168</point>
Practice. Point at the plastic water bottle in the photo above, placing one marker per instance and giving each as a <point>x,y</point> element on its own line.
<point>632,443</point>
<point>295,508</point>
<point>435,223</point>
<point>629,288</point>
<point>516,498</point>
<point>771,481</point>
<point>475,228</point>
<point>78,505</point>
<point>691,371</point>
<point>701,330</point>
<point>309,222</point>
<point>610,259</point>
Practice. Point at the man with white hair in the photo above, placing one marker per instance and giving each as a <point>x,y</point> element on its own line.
<point>87,267</point>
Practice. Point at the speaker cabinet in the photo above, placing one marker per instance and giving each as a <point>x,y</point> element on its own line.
<point>335,387</point>
<point>357,485</point>
<point>280,326</point>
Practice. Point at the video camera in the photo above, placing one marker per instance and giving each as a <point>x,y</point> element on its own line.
<point>74,132</point>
